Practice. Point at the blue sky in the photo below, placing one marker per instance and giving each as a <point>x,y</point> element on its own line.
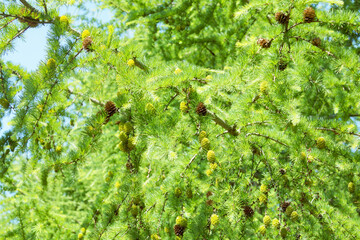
<point>31,51</point>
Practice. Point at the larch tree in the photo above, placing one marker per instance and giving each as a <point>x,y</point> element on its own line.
<point>182,120</point>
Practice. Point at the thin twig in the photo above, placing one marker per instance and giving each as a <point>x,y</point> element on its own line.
<point>121,235</point>
<point>18,34</point>
<point>187,166</point>
<point>200,80</point>
<point>7,23</point>
<point>97,102</point>
<point>147,210</point>
<point>255,123</point>
<point>336,131</point>
<point>108,223</point>
<point>172,98</point>
<point>322,49</point>
<point>162,210</point>
<point>45,7</point>
<point>260,135</point>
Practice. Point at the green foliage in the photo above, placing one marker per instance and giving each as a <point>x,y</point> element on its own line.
<point>275,154</point>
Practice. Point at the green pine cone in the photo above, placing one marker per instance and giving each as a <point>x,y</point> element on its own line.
<point>289,210</point>
<point>150,109</point>
<point>205,144</point>
<point>211,156</point>
<point>351,187</point>
<point>264,86</point>
<point>294,216</point>
<point>262,229</point>
<point>263,188</point>
<point>178,192</point>
<point>276,223</point>
<point>320,143</point>
<point>267,220</point>
<point>184,107</point>
<point>181,221</point>
<point>202,135</point>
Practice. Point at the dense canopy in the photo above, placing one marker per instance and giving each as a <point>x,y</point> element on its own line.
<point>182,120</point>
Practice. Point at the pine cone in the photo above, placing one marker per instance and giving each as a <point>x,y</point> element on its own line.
<point>309,15</point>
<point>282,65</point>
<point>201,109</point>
<point>87,43</point>
<point>264,43</point>
<point>189,193</point>
<point>209,202</point>
<point>281,18</point>
<point>285,205</point>
<point>179,230</point>
<point>249,212</point>
<point>27,17</point>
<point>316,42</point>
<point>110,108</point>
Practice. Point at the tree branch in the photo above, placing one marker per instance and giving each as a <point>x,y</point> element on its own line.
<point>45,7</point>
<point>223,124</point>
<point>112,216</point>
<point>172,98</point>
<point>322,49</point>
<point>187,166</point>
<point>97,102</point>
<point>337,131</point>
<point>26,4</point>
<point>273,139</point>
<point>17,35</point>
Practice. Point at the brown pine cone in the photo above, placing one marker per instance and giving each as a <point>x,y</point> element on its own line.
<point>87,43</point>
<point>281,18</point>
<point>179,230</point>
<point>309,15</point>
<point>249,212</point>
<point>201,109</point>
<point>110,108</point>
<point>209,202</point>
<point>27,17</point>
<point>282,65</point>
<point>264,43</point>
<point>285,205</point>
<point>316,42</point>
